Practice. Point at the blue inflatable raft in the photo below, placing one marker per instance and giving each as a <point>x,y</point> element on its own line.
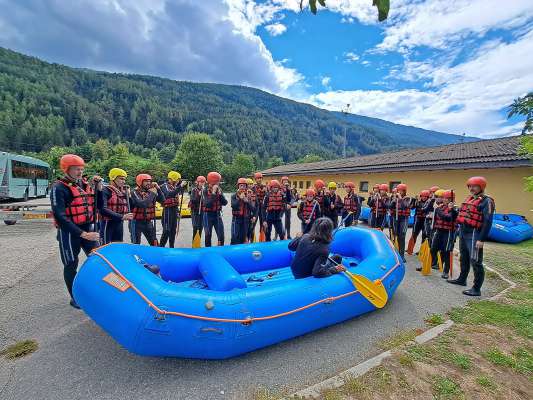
<point>219,302</point>
<point>510,228</point>
<point>365,215</point>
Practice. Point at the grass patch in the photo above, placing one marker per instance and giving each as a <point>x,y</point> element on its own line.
<point>331,394</point>
<point>418,352</point>
<point>461,360</point>
<point>486,382</point>
<point>20,349</point>
<point>445,388</point>
<point>434,319</point>
<point>354,386</point>
<point>521,360</point>
<point>398,339</point>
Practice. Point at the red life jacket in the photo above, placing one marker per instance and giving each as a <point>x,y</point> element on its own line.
<point>380,205</point>
<point>117,202</point>
<point>320,200</point>
<point>403,207</point>
<point>439,223</point>
<point>419,212</point>
<point>469,213</point>
<point>309,209</point>
<point>275,201</point>
<point>242,211</point>
<point>260,192</point>
<point>81,209</point>
<point>213,199</point>
<point>143,214</point>
<point>195,205</point>
<point>171,201</point>
<point>351,203</point>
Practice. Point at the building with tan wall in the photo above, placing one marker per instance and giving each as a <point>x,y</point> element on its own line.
<point>445,166</point>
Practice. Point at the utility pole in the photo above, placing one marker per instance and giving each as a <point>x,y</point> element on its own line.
<point>345,111</point>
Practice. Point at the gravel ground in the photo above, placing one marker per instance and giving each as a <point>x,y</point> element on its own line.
<point>77,360</point>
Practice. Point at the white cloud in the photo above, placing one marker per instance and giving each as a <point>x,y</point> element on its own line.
<point>276,29</point>
<point>326,80</point>
<point>466,97</point>
<point>350,57</point>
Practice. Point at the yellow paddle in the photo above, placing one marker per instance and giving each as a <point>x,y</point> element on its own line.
<point>439,261</point>
<point>424,256</point>
<point>197,241</point>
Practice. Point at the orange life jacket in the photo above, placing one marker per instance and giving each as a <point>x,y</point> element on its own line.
<point>309,209</point>
<point>470,214</point>
<point>440,223</point>
<point>143,214</point>
<point>215,203</point>
<point>260,192</point>
<point>352,203</point>
<point>243,210</point>
<point>171,201</point>
<point>81,209</point>
<point>117,202</point>
<point>275,201</point>
<point>403,206</point>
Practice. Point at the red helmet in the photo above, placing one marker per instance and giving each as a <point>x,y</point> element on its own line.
<point>319,184</point>
<point>384,187</point>
<point>213,178</point>
<point>310,192</point>
<point>477,180</point>
<point>242,181</point>
<point>433,189</point>
<point>376,186</point>
<point>200,179</point>
<point>402,186</point>
<point>70,160</point>
<point>448,194</point>
<point>258,175</point>
<point>284,178</point>
<point>139,179</point>
<point>274,183</point>
<point>349,185</point>
<point>425,193</point>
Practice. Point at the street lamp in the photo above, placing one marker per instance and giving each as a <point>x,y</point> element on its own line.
<point>346,112</point>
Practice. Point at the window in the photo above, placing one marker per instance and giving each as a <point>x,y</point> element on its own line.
<point>363,186</point>
<point>393,184</point>
<point>301,184</point>
<point>20,169</point>
<point>307,184</point>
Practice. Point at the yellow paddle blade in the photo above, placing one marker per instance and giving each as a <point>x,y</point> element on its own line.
<point>254,239</point>
<point>396,245</point>
<point>196,241</point>
<point>373,291</point>
<point>262,236</point>
<point>426,259</point>
<point>439,261</point>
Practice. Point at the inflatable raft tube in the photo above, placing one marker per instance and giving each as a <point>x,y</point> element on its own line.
<point>510,228</point>
<point>219,302</point>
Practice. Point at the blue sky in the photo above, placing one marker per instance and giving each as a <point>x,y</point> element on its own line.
<point>447,65</point>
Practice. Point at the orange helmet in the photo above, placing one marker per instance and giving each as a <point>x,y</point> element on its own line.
<point>319,184</point>
<point>376,186</point>
<point>402,186</point>
<point>70,160</point>
<point>242,181</point>
<point>213,178</point>
<point>310,192</point>
<point>448,194</point>
<point>274,183</point>
<point>384,187</point>
<point>425,193</point>
<point>477,180</point>
<point>258,175</point>
<point>284,178</point>
<point>433,189</point>
<point>139,179</point>
<point>200,179</point>
<point>349,185</point>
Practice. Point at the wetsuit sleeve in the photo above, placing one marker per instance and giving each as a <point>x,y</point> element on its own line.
<point>104,209</point>
<point>223,199</point>
<point>322,268</point>
<point>160,197</point>
<point>429,207</point>
<point>293,244</point>
<point>235,202</point>
<point>318,212</point>
<point>59,198</point>
<point>299,213</point>
<point>448,217</point>
<point>488,213</point>
<point>137,201</point>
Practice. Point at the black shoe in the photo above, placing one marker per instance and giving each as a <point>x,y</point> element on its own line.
<point>456,282</point>
<point>444,275</point>
<point>472,292</point>
<point>419,268</point>
<point>74,304</point>
<point>434,267</point>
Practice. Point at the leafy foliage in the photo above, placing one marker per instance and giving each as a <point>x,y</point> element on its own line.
<point>523,106</point>
<point>382,6</point>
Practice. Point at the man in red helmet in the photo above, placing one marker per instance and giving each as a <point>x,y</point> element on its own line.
<point>195,202</point>
<point>212,202</point>
<point>73,209</point>
<point>288,197</point>
<point>420,206</point>
<point>242,207</point>
<point>143,199</point>
<point>475,220</point>
<point>274,204</point>
<point>371,197</point>
<point>443,238</point>
<point>309,210</point>
<point>260,191</point>
<point>378,203</point>
<point>400,207</point>
<point>351,206</point>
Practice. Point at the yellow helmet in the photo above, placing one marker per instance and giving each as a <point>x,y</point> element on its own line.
<point>332,185</point>
<point>174,176</point>
<point>114,173</point>
<point>249,181</point>
<point>439,193</point>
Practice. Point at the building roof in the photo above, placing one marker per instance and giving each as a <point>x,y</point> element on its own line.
<point>493,153</point>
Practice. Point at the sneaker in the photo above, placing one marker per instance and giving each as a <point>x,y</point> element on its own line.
<point>456,282</point>
<point>444,275</point>
<point>74,304</point>
<point>419,269</point>
<point>472,292</point>
<point>434,267</point>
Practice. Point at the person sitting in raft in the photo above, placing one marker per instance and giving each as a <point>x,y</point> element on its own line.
<point>312,252</point>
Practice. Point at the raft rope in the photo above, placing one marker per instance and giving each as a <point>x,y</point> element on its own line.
<point>245,321</point>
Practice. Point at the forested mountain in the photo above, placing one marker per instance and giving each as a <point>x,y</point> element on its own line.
<point>43,104</point>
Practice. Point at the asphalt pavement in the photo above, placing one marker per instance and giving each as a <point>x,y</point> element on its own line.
<point>77,360</point>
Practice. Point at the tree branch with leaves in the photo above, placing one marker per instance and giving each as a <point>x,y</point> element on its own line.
<point>383,7</point>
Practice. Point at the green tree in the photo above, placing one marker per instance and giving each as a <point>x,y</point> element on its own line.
<point>382,6</point>
<point>527,148</point>
<point>523,106</point>
<point>309,158</point>
<point>274,162</point>
<point>241,167</point>
<point>198,154</point>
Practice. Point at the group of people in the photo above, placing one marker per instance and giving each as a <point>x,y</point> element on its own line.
<point>88,213</point>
